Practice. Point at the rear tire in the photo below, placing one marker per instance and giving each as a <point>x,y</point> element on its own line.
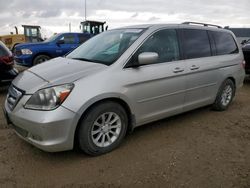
<point>103,128</point>
<point>40,59</point>
<point>225,96</point>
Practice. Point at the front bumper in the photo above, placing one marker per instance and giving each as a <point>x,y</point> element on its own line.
<point>24,60</point>
<point>50,131</point>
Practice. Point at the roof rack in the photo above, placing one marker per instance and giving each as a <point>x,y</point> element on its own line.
<point>204,24</point>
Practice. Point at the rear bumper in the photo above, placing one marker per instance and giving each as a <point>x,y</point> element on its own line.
<point>50,131</point>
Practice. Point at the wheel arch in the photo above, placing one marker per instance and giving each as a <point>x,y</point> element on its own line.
<point>41,53</point>
<point>123,103</point>
<point>217,102</point>
<point>232,79</point>
<point>14,45</point>
<point>229,77</point>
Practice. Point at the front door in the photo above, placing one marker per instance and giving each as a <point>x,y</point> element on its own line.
<point>67,43</point>
<point>158,89</point>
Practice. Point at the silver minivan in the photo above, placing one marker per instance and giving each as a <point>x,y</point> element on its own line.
<point>121,79</point>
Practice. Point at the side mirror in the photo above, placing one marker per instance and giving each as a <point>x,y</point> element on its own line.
<point>148,58</point>
<point>60,42</point>
<point>243,42</point>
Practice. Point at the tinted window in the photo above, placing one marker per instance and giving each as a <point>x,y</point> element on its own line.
<point>164,43</point>
<point>196,43</point>
<point>82,38</point>
<point>68,39</point>
<point>225,43</point>
<point>4,51</point>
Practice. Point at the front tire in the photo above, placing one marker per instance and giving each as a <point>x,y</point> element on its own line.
<point>40,59</point>
<point>224,96</point>
<point>103,128</point>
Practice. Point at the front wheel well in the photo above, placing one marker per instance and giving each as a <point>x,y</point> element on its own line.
<point>13,47</point>
<point>131,119</point>
<point>41,53</point>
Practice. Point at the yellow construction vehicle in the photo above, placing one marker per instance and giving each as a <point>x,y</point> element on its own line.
<point>31,34</point>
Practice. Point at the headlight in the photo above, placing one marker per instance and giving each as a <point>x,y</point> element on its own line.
<point>49,98</point>
<point>26,51</point>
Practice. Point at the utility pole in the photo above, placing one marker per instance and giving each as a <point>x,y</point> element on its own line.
<point>85,8</point>
<point>70,27</point>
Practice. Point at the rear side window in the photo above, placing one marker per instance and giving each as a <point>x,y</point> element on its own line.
<point>82,38</point>
<point>196,43</point>
<point>225,43</point>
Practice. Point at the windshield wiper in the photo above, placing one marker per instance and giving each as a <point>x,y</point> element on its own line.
<point>83,59</point>
<point>90,60</point>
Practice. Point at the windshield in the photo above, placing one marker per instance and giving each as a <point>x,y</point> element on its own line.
<point>52,38</point>
<point>106,47</point>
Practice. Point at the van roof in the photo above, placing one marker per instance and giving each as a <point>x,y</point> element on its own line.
<point>183,25</point>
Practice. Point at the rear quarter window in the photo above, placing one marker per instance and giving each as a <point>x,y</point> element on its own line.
<point>225,43</point>
<point>82,38</point>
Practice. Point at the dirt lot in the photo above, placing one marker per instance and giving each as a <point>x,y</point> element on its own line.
<point>201,148</point>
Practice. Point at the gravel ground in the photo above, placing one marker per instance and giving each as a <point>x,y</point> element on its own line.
<point>201,148</point>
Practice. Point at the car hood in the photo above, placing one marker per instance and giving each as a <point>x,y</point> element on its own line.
<point>30,45</point>
<point>55,72</point>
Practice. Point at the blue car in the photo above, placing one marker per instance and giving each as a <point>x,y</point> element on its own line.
<point>30,54</point>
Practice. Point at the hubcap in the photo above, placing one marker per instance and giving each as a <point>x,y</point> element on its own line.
<point>106,129</point>
<point>226,95</point>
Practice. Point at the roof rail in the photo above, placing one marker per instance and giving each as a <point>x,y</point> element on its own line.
<point>204,24</point>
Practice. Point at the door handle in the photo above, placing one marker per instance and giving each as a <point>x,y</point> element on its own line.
<point>194,67</point>
<point>178,69</point>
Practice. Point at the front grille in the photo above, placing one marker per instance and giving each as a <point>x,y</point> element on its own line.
<point>13,97</point>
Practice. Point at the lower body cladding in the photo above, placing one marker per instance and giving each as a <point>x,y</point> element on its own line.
<point>51,131</point>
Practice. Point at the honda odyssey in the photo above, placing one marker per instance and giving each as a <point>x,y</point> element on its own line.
<point>121,79</point>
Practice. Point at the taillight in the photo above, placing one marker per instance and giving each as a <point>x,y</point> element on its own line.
<point>8,60</point>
